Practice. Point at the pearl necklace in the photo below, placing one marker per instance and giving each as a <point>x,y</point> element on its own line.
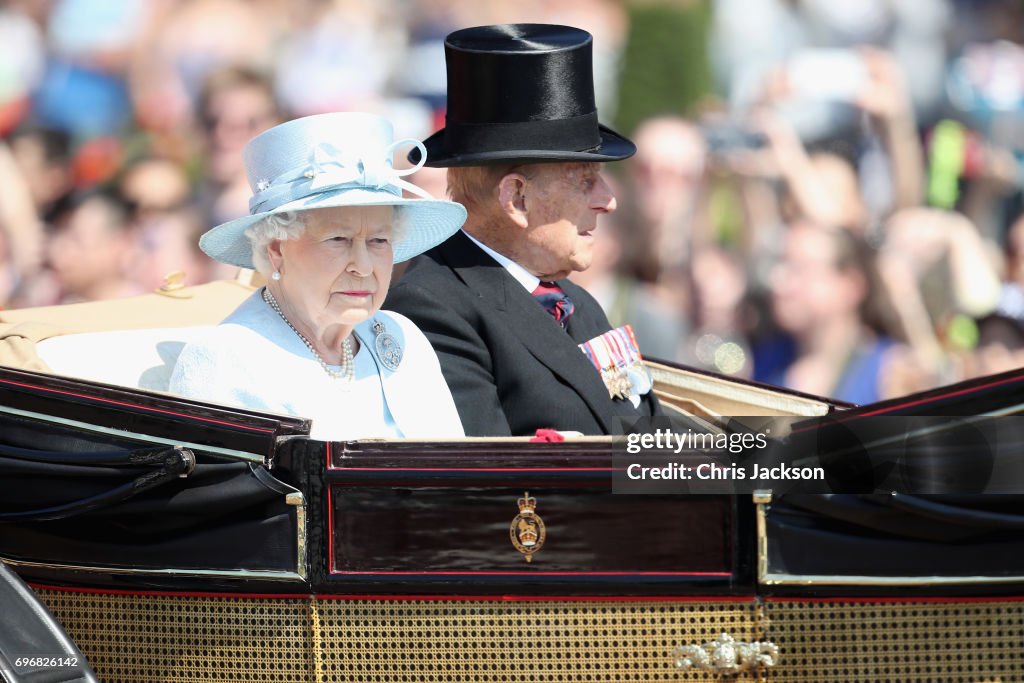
<point>347,371</point>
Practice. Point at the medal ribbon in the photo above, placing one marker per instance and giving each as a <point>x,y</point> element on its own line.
<point>610,354</point>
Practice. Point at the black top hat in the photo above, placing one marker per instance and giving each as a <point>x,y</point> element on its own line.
<point>521,92</point>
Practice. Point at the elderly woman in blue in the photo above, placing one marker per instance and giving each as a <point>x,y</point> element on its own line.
<point>328,222</point>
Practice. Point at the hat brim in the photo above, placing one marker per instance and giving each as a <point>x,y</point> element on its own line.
<point>613,147</point>
<point>428,222</point>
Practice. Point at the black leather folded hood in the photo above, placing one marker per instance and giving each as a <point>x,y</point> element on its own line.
<point>897,535</point>
<point>224,515</point>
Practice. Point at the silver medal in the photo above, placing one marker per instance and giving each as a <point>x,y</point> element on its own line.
<point>640,379</point>
<point>388,349</point>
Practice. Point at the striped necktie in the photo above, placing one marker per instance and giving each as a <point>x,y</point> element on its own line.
<point>555,301</point>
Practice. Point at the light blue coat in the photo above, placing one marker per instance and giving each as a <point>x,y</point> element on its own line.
<point>253,359</point>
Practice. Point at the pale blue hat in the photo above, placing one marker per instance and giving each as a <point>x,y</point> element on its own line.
<point>326,161</point>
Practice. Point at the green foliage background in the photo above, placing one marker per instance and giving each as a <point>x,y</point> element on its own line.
<point>665,67</point>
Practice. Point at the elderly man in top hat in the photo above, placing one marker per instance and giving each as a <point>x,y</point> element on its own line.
<point>521,347</point>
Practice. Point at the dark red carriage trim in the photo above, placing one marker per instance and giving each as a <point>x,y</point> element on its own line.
<point>890,406</point>
<point>536,573</point>
<point>136,406</point>
<point>492,470</point>
<point>531,598</point>
<point>399,597</point>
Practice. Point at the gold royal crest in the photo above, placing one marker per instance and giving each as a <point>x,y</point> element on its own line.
<point>527,529</point>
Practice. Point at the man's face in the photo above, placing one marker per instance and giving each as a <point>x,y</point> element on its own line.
<point>562,203</point>
<point>233,117</point>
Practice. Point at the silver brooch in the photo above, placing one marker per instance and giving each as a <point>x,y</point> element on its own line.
<point>388,349</point>
<point>727,656</point>
<point>262,184</point>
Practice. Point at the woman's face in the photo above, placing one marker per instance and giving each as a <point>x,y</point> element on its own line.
<point>807,287</point>
<point>338,271</point>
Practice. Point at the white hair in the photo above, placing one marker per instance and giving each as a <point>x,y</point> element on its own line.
<point>286,225</point>
<point>289,225</point>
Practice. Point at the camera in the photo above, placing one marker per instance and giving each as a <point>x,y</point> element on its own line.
<point>729,135</point>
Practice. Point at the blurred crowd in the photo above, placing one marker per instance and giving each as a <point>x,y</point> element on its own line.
<point>841,215</point>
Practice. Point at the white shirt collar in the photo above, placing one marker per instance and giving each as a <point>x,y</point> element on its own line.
<point>522,276</point>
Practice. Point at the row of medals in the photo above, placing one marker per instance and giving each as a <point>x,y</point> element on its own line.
<point>618,381</point>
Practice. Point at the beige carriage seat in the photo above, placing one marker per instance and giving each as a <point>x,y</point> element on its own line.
<point>131,342</point>
<point>143,359</point>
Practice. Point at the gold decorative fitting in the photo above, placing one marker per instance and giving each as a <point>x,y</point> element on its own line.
<point>527,530</point>
<point>726,655</point>
<point>174,286</point>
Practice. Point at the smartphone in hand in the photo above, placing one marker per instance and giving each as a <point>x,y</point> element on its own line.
<point>827,74</point>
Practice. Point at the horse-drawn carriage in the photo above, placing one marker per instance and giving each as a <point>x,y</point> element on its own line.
<point>180,541</point>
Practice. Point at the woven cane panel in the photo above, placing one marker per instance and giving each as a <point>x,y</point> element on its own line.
<point>150,639</point>
<point>143,639</point>
<point>897,642</point>
<point>525,641</point>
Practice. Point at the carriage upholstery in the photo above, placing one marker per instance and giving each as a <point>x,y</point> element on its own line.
<point>131,342</point>
<point>143,359</point>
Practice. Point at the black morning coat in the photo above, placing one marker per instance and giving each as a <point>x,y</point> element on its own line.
<point>511,368</point>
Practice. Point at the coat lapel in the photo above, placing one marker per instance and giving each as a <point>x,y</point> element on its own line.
<point>404,389</point>
<point>528,322</point>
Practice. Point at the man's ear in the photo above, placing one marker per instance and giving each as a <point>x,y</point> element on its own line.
<point>512,198</point>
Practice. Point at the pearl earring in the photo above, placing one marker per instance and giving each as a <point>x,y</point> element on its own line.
<point>275,275</point>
